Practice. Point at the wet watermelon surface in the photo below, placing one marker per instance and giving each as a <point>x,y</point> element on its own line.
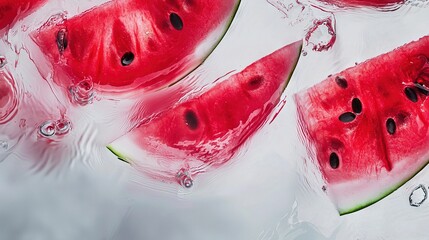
<point>229,160</point>
<point>139,45</point>
<point>368,124</point>
<point>209,129</point>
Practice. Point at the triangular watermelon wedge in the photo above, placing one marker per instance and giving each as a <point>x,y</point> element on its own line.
<point>210,128</point>
<point>127,44</point>
<point>368,126</point>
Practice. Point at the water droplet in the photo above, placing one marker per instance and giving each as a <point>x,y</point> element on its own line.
<point>4,145</point>
<point>187,182</point>
<point>322,34</point>
<point>83,92</point>
<point>418,196</point>
<point>62,126</point>
<point>304,53</point>
<point>47,129</point>
<point>184,178</point>
<point>3,61</point>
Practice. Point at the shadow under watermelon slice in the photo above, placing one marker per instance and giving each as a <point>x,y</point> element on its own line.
<point>368,125</point>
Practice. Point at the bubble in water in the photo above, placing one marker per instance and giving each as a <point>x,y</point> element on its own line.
<point>2,61</point>
<point>322,34</point>
<point>187,182</point>
<point>418,196</point>
<point>47,129</point>
<point>62,126</point>
<point>8,98</point>
<point>184,178</point>
<point>4,145</point>
<point>83,92</point>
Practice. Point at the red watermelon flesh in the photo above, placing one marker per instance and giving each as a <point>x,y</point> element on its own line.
<point>364,3</point>
<point>122,45</point>
<point>368,125</point>
<point>211,127</point>
<point>12,9</point>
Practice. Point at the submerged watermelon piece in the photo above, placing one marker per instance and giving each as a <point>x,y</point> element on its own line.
<point>364,3</point>
<point>368,126</point>
<point>211,127</point>
<point>125,44</point>
<point>10,10</point>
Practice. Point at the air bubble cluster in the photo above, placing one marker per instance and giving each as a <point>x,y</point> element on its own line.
<point>50,128</point>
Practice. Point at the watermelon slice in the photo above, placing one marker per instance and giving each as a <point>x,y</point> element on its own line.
<point>211,127</point>
<point>11,9</point>
<point>146,44</point>
<point>368,126</point>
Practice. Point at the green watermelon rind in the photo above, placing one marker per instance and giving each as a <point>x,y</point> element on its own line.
<point>292,69</point>
<point>128,160</point>
<point>210,51</point>
<point>119,155</point>
<point>381,196</point>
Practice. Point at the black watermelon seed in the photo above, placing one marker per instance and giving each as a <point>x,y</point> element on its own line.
<point>347,117</point>
<point>342,82</point>
<point>422,89</point>
<point>356,105</point>
<point>255,82</point>
<point>191,119</point>
<point>391,126</point>
<point>61,40</point>
<point>176,21</point>
<point>334,160</point>
<point>127,58</point>
<point>411,94</point>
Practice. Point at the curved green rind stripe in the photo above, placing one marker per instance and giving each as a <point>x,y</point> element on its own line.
<point>215,45</point>
<point>292,70</point>
<point>120,156</point>
<point>381,196</point>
